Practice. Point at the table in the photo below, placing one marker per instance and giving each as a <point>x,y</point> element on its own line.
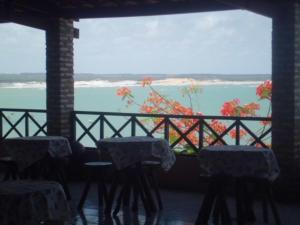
<point>130,150</point>
<point>25,151</point>
<point>30,202</point>
<point>240,163</point>
<point>127,155</point>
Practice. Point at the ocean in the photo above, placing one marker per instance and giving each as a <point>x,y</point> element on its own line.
<point>98,92</point>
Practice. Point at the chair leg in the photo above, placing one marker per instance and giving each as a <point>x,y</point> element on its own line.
<point>141,191</point>
<point>119,200</point>
<point>135,199</point>
<point>63,181</point>
<point>207,204</point>
<point>265,208</point>
<point>156,188</point>
<point>239,203</point>
<point>112,192</point>
<point>272,203</point>
<point>105,193</point>
<point>84,193</point>
<point>146,188</point>
<point>100,194</point>
<point>225,215</point>
<point>216,211</point>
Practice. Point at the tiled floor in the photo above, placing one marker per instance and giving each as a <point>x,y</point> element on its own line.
<point>180,208</point>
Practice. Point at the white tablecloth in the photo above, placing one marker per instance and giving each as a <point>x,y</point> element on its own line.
<point>27,150</point>
<point>130,150</point>
<point>239,161</point>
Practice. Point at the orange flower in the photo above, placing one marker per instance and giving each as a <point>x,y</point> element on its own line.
<point>232,133</point>
<point>266,122</point>
<point>124,92</point>
<point>218,126</point>
<point>264,91</point>
<point>146,81</point>
<point>147,109</point>
<point>230,108</point>
<point>250,109</point>
<point>233,108</point>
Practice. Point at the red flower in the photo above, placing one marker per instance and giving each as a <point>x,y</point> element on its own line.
<point>218,126</point>
<point>124,92</point>
<point>264,91</point>
<point>230,108</point>
<point>146,81</point>
<point>232,133</point>
<point>233,108</point>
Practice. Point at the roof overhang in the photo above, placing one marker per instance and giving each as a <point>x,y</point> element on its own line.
<point>38,14</point>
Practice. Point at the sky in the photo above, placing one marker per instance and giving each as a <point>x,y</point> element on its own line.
<point>228,42</point>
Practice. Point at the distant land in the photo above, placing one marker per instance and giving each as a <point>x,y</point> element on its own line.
<point>40,77</point>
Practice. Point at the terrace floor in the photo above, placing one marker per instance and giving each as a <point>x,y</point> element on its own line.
<point>180,208</point>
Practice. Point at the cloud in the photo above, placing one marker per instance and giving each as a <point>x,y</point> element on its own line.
<point>217,42</point>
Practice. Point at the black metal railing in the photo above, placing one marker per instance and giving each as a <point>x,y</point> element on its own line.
<point>22,122</point>
<point>92,126</point>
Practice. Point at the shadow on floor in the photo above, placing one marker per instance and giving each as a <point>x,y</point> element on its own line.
<point>180,208</point>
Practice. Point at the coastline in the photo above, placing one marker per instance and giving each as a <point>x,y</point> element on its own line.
<point>134,83</point>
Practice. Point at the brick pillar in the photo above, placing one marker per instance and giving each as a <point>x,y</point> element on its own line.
<point>60,79</point>
<point>286,93</point>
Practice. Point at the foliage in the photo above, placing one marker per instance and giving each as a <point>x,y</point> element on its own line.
<point>157,103</point>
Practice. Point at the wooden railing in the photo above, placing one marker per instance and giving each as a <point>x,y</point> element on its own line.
<point>89,127</point>
<point>22,122</point>
<point>92,126</point>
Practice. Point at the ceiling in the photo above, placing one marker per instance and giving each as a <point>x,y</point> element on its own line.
<point>38,13</point>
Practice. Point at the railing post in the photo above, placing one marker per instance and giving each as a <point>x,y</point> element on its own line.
<point>133,126</point>
<point>101,126</point>
<point>26,123</point>
<point>237,133</point>
<point>73,125</point>
<point>201,133</point>
<point>167,128</point>
<point>1,125</point>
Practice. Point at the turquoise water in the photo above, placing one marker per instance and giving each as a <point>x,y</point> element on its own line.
<point>209,101</point>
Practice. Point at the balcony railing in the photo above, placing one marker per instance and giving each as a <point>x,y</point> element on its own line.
<point>92,126</point>
<point>89,127</point>
<point>22,122</point>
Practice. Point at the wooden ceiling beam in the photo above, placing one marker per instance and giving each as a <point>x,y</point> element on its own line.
<point>43,7</point>
<point>263,7</point>
<point>146,9</point>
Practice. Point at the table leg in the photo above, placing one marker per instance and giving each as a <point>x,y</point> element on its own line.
<point>146,188</point>
<point>85,192</point>
<point>239,202</point>
<point>112,193</point>
<point>207,204</point>
<point>272,203</point>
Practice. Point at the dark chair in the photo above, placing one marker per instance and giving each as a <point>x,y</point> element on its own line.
<point>140,179</point>
<point>10,168</point>
<point>131,180</point>
<point>95,171</point>
<point>215,201</point>
<point>150,168</point>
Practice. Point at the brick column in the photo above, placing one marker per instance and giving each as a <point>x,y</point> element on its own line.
<point>60,79</point>
<point>286,93</point>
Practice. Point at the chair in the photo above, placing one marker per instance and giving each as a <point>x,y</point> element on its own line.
<point>95,170</point>
<point>150,168</point>
<point>10,167</point>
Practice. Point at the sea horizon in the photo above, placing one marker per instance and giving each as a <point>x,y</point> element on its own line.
<point>81,80</point>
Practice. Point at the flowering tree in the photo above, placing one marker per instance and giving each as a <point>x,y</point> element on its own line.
<point>157,103</point>
<point>234,108</point>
